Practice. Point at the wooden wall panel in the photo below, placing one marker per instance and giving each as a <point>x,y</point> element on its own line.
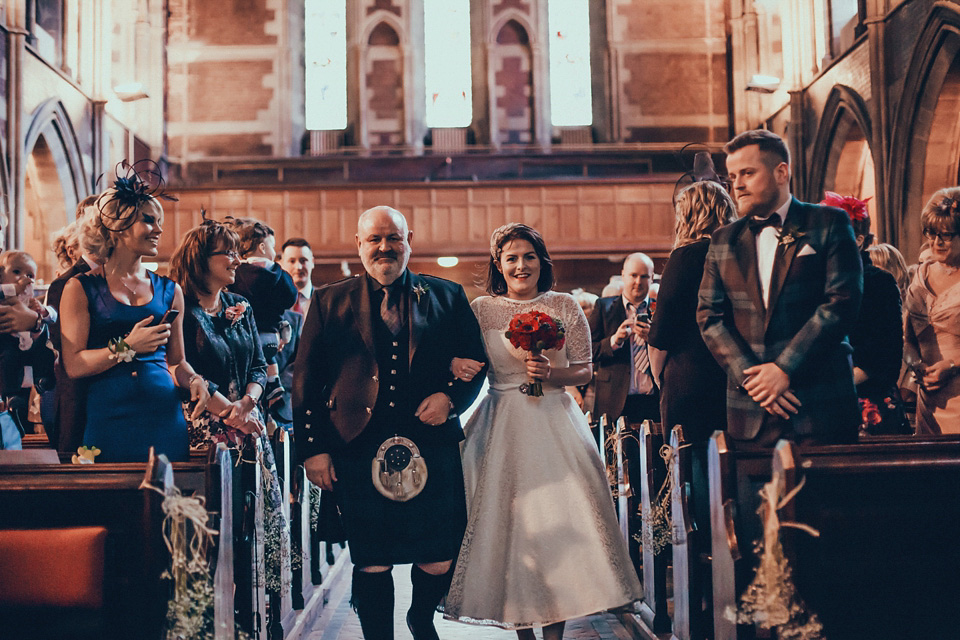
<point>577,220</point>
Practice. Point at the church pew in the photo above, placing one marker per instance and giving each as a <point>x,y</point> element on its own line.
<point>653,609</point>
<point>281,613</point>
<point>887,562</point>
<point>250,601</point>
<point>861,498</point>
<point>726,468</point>
<point>623,488</point>
<point>58,496</point>
<point>687,619</point>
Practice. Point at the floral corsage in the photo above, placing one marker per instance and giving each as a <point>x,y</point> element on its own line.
<point>420,290</point>
<point>789,234</point>
<point>234,313</point>
<point>120,350</point>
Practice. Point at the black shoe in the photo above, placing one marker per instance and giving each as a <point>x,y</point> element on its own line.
<point>424,630</point>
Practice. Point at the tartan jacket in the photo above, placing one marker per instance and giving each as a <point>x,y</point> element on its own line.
<point>336,379</point>
<point>814,298</point>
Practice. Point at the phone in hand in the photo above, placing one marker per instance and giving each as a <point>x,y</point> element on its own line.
<point>643,317</point>
<point>168,317</point>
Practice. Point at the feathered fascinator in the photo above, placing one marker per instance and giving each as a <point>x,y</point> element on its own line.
<point>134,184</point>
<point>703,169</point>
<point>855,208</point>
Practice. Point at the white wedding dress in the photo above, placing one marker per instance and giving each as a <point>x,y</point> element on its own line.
<point>542,543</point>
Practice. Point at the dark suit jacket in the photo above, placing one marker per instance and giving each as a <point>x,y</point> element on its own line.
<point>814,299</point>
<point>336,382</point>
<point>66,432</point>
<point>613,367</point>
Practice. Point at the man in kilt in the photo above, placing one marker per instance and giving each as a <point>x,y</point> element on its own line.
<point>780,292</point>
<point>374,363</point>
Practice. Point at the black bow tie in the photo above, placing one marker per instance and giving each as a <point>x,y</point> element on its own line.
<point>757,224</point>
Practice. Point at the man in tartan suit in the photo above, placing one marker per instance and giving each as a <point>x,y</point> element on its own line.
<point>781,289</point>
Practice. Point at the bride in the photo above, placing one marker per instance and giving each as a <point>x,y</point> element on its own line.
<point>541,516</point>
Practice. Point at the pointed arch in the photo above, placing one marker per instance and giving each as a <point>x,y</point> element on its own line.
<point>512,84</point>
<point>54,182</point>
<point>843,153</point>
<point>925,142</point>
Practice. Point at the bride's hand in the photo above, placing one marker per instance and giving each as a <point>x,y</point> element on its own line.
<point>465,368</point>
<point>538,366</point>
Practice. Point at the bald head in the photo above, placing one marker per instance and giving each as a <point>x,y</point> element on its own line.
<point>383,242</point>
<point>637,274</point>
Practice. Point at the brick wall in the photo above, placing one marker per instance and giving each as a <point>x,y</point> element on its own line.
<point>670,77</point>
<point>226,62</point>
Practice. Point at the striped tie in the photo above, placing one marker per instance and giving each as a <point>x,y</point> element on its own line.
<point>641,361</point>
<point>389,311</point>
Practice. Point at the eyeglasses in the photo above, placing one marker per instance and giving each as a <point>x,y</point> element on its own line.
<point>233,255</point>
<point>943,236</point>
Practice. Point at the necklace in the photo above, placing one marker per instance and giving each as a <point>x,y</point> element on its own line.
<point>134,289</point>
<point>215,309</point>
<point>948,269</point>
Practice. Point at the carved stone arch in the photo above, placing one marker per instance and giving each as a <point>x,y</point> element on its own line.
<point>512,15</point>
<point>512,82</point>
<point>381,18</point>
<point>384,81</point>
<point>54,182</point>
<point>925,142</point>
<point>843,153</point>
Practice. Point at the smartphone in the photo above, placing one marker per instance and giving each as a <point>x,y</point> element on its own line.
<point>168,317</point>
<point>644,317</point>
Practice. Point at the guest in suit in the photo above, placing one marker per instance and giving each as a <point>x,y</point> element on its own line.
<point>618,327</point>
<point>780,292</point>
<point>374,363</point>
<point>877,336</point>
<point>692,384</point>
<point>65,432</point>
<point>296,258</point>
<point>932,329</point>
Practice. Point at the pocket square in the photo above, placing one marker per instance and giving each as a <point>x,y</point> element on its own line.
<point>807,250</point>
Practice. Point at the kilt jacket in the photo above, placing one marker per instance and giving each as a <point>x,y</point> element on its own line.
<point>336,378</point>
<point>814,299</point>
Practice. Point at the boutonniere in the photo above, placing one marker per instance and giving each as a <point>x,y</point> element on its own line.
<point>234,313</point>
<point>85,455</point>
<point>788,235</point>
<point>420,290</point>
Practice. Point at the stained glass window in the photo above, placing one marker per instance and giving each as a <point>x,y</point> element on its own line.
<point>571,102</point>
<point>447,72</point>
<point>325,48</point>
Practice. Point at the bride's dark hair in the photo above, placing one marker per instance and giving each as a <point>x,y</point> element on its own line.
<point>496,284</point>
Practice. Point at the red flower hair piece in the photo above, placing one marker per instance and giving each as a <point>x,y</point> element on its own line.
<point>855,208</point>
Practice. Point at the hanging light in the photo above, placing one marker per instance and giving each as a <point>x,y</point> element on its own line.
<point>448,261</point>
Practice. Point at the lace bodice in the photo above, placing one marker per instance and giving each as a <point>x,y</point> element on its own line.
<point>506,362</point>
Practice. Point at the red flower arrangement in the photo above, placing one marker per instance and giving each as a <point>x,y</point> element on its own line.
<point>855,208</point>
<point>535,331</point>
<point>870,413</point>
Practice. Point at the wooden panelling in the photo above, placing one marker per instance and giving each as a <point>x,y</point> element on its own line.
<point>577,220</point>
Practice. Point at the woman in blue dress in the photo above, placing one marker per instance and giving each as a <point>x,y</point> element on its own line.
<point>113,336</point>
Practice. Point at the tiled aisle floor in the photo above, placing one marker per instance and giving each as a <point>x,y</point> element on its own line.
<point>339,622</point>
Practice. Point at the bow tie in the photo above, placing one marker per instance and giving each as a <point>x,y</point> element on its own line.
<point>757,225</point>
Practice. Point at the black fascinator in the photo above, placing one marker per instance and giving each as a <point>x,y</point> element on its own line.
<point>703,169</point>
<point>134,184</point>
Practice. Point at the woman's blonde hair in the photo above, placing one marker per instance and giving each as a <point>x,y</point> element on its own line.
<point>100,232</point>
<point>887,257</point>
<point>701,209</point>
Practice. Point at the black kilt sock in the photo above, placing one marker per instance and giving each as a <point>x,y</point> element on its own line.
<point>428,590</point>
<point>372,599</point>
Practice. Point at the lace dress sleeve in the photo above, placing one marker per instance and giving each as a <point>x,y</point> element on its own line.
<point>578,347</point>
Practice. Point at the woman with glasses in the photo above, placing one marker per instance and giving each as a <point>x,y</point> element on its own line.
<point>117,337</point>
<point>932,327</point>
<point>220,336</point>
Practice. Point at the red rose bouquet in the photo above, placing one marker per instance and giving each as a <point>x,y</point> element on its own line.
<point>535,331</point>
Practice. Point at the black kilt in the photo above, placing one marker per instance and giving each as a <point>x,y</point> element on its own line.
<point>427,528</point>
